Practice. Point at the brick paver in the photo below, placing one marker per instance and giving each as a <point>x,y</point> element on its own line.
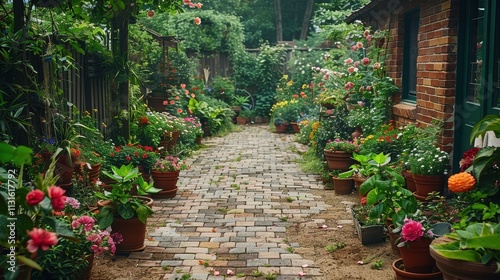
<point>229,209</point>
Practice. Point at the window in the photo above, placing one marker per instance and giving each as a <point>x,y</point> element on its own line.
<point>410,53</point>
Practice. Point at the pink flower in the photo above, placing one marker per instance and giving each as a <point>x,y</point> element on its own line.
<point>199,5</point>
<point>412,230</point>
<point>183,86</point>
<point>58,198</point>
<point>348,61</point>
<point>359,45</point>
<point>34,197</point>
<point>86,221</point>
<point>229,272</point>
<point>365,61</point>
<point>165,102</point>
<point>376,65</point>
<point>368,88</point>
<point>349,85</point>
<point>187,2</point>
<point>351,69</point>
<point>356,64</point>
<point>366,33</point>
<point>42,239</point>
<point>369,38</point>
<point>216,273</point>
<point>354,48</point>
<point>74,203</point>
<point>197,20</point>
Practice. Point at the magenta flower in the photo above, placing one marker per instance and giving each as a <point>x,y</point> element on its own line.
<point>412,230</point>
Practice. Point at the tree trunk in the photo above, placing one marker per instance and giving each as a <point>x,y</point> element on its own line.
<point>279,28</point>
<point>307,19</point>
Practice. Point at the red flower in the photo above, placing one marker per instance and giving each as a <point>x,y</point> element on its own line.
<point>363,200</point>
<point>42,239</point>
<point>144,155</point>
<point>34,197</point>
<point>165,103</point>
<point>58,198</point>
<point>128,158</point>
<point>143,120</point>
<point>117,149</point>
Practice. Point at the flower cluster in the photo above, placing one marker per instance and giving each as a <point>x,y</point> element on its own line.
<point>342,145</point>
<point>98,242</point>
<point>138,155</point>
<point>468,158</point>
<point>170,164</point>
<point>432,161</point>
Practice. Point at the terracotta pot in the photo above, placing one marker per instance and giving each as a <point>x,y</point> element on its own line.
<point>92,173</point>
<point>464,270</point>
<point>295,127</point>
<point>281,128</point>
<point>64,168</point>
<point>358,180</point>
<point>167,181</point>
<point>87,272</point>
<point>357,132</point>
<point>338,160</point>
<point>416,256</point>
<point>132,230</point>
<point>427,184</point>
<point>410,183</point>
<point>342,186</point>
<point>402,274</point>
<point>241,120</point>
<point>392,238</point>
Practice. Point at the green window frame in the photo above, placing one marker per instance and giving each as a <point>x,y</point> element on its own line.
<point>410,54</point>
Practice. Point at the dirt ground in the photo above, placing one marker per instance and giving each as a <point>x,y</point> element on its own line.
<point>311,236</point>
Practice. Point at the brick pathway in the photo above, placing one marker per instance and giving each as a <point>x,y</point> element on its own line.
<point>232,210</point>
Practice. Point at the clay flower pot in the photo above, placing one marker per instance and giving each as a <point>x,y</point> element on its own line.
<point>402,274</point>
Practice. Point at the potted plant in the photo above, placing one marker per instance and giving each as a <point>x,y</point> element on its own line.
<point>75,258</point>
<point>342,182</point>
<point>338,153</point>
<point>369,230</point>
<point>428,166</point>
<point>124,212</point>
<point>165,174</point>
<point>244,116</point>
<point>472,253</point>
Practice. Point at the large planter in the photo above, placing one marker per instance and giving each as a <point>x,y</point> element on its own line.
<point>132,230</point>
<point>338,160</point>
<point>402,274</point>
<point>416,256</point>
<point>281,128</point>
<point>342,186</point>
<point>368,234</point>
<point>167,182</point>
<point>426,184</point>
<point>464,270</point>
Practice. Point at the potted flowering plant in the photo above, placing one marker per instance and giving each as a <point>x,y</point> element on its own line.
<point>428,165</point>
<point>338,153</point>
<point>76,258</point>
<point>165,175</point>
<point>35,229</point>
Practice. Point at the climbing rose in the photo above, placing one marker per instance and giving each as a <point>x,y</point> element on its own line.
<point>58,198</point>
<point>42,239</point>
<point>412,231</point>
<point>34,197</point>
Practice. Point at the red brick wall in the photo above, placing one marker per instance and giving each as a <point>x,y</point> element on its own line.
<point>436,61</point>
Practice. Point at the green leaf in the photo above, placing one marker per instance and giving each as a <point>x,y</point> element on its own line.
<point>464,255</point>
<point>29,262</point>
<point>487,241</point>
<point>143,212</point>
<point>126,211</point>
<point>105,217</point>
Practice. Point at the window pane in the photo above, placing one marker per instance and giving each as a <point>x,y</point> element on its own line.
<point>476,53</point>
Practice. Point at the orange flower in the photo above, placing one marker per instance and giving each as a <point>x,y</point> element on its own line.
<point>461,182</point>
